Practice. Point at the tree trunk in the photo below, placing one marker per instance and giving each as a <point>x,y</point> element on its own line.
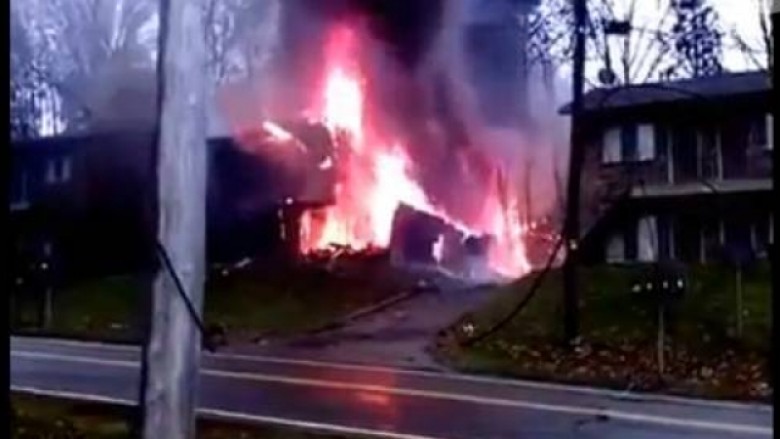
<point>173,352</point>
<point>523,66</point>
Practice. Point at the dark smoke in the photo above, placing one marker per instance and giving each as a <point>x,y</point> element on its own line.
<point>443,81</point>
<point>407,26</point>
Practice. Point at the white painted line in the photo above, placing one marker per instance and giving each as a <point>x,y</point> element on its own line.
<point>529,405</point>
<point>326,428</point>
<point>74,343</point>
<point>585,390</point>
<point>72,395</point>
<point>454,376</point>
<point>226,415</point>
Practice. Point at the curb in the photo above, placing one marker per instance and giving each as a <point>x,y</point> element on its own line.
<point>74,336</point>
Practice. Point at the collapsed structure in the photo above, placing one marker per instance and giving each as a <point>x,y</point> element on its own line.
<point>406,155</point>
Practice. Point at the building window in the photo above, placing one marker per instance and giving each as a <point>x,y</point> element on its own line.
<point>759,132</point>
<point>19,191</point>
<point>647,239</point>
<point>615,249</point>
<point>611,149</point>
<point>684,154</point>
<point>687,239</point>
<point>665,239</point>
<point>635,241</point>
<point>711,240</point>
<point>735,135</point>
<point>738,239</point>
<point>760,235</point>
<point>58,170</point>
<point>629,143</point>
<point>646,142</point>
<point>51,171</point>
<point>65,169</point>
<point>709,155</point>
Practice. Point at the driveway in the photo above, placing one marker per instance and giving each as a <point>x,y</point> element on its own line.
<point>395,336</point>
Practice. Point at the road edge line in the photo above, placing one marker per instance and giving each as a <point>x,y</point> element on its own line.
<point>224,415</point>
<point>624,415</point>
<point>619,395</point>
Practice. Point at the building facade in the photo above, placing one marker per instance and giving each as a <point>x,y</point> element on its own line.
<point>93,199</point>
<point>679,170</point>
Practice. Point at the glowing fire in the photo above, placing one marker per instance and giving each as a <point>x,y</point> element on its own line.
<point>375,176</point>
<point>344,104</point>
<point>277,132</point>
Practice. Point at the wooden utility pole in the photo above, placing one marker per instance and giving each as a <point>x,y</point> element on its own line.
<point>172,355</point>
<point>775,18</point>
<point>571,228</point>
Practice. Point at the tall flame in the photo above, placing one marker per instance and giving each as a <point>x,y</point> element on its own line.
<point>376,176</point>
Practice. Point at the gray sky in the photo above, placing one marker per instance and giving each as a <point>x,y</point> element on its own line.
<point>742,15</point>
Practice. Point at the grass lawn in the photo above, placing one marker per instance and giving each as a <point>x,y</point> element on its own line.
<point>705,354</point>
<point>249,303</point>
<point>37,417</point>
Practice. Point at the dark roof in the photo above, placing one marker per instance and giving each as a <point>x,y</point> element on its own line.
<point>728,84</point>
<point>79,139</point>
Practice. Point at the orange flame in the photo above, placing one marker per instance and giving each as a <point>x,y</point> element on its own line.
<point>375,176</point>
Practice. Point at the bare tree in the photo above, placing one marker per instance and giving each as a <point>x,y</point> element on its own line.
<point>697,38</point>
<point>239,37</point>
<point>757,52</point>
<point>629,46</point>
<point>67,43</point>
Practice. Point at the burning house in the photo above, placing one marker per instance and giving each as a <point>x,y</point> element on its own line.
<point>91,196</point>
<point>409,152</point>
<point>369,133</point>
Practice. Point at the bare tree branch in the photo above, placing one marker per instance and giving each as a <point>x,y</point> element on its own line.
<point>746,50</point>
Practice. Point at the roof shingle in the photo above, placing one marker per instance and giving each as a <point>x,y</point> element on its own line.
<point>728,84</point>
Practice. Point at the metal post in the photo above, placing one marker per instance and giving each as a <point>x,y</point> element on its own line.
<point>739,301</point>
<point>576,156</point>
<point>661,336</point>
<point>173,352</point>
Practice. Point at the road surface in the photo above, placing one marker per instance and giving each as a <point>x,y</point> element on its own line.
<point>385,402</point>
<point>397,336</point>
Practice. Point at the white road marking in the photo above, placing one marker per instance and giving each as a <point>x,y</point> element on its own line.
<point>615,394</point>
<point>226,415</point>
<point>558,408</point>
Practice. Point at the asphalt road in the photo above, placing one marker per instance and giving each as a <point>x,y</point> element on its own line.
<point>385,402</point>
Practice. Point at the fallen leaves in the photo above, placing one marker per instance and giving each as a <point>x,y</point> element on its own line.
<point>729,373</point>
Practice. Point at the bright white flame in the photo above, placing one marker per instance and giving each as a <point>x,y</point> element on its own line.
<point>344,104</point>
<point>327,163</point>
<point>277,132</point>
<point>438,248</point>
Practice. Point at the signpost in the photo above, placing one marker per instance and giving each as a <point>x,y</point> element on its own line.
<point>665,286</point>
<point>739,256</point>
